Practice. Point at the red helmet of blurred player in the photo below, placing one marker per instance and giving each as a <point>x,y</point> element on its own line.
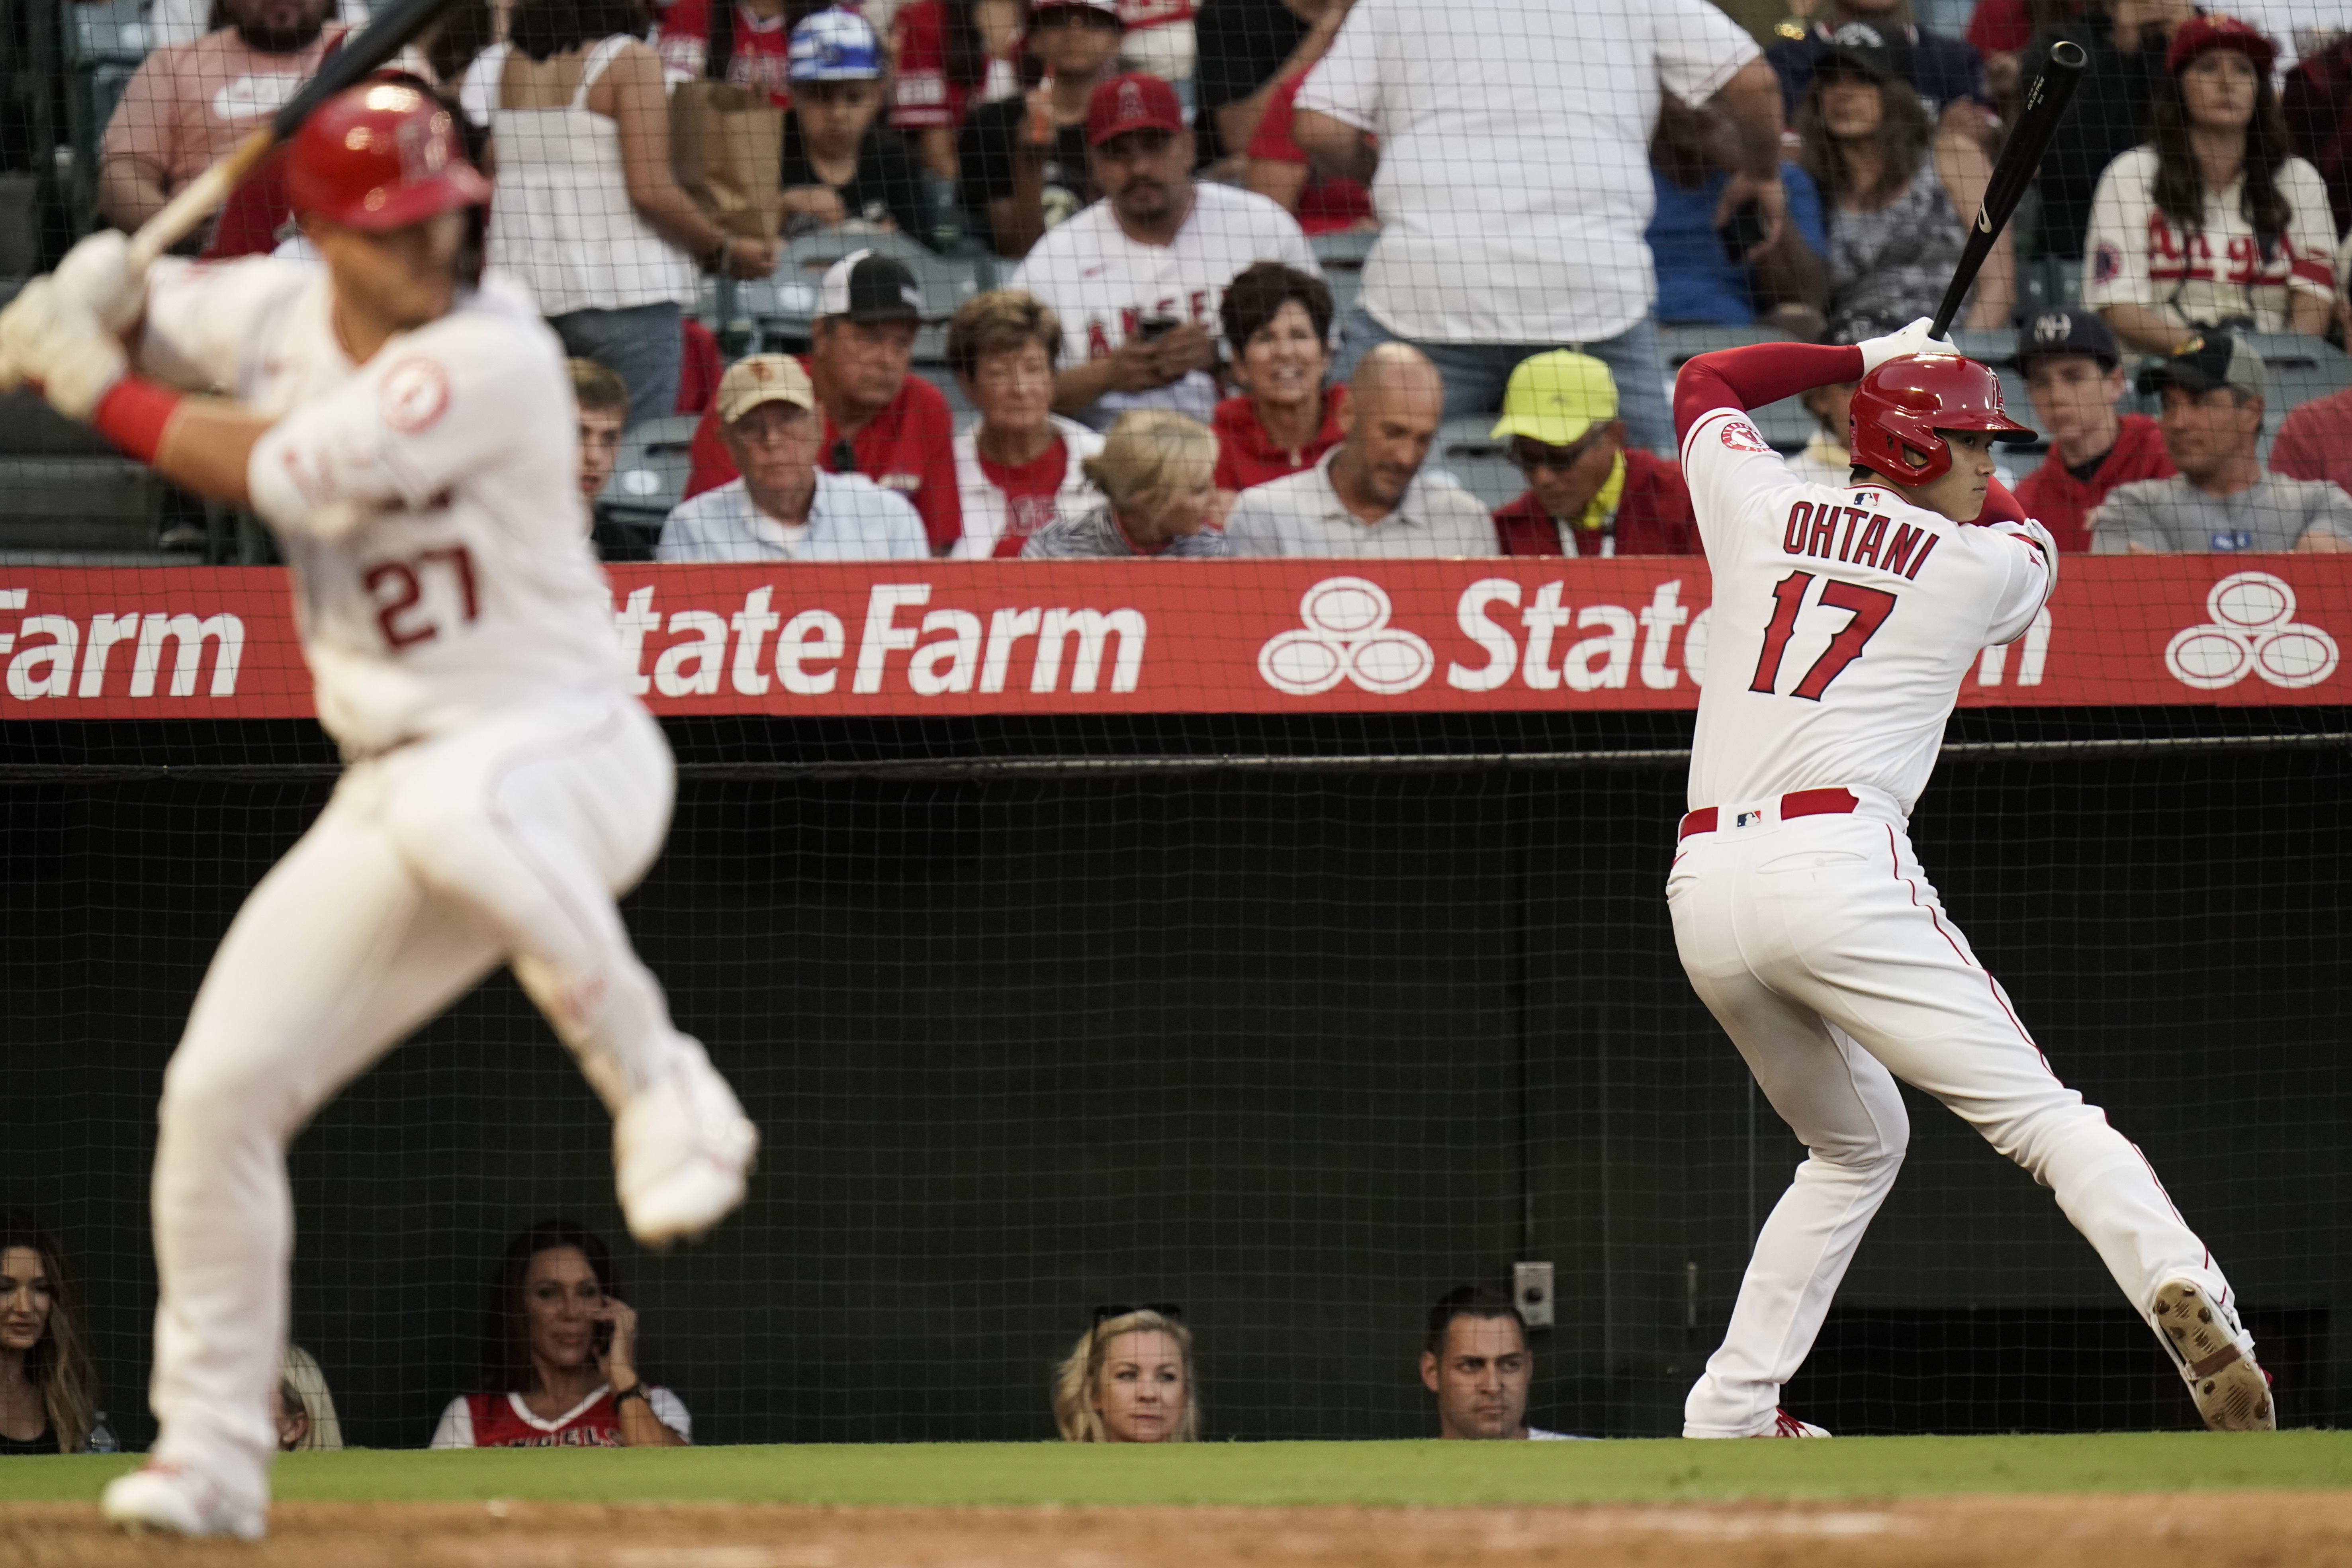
<point>1900,410</point>
<point>381,155</point>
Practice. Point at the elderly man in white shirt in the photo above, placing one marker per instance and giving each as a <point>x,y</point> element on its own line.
<point>1368,496</point>
<point>1507,147</point>
<point>784,507</point>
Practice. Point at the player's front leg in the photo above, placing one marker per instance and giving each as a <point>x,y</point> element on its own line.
<point>537,824</point>
<point>337,955</point>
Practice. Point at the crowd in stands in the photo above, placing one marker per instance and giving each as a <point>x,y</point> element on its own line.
<point>558,1349</point>
<point>1147,175</point>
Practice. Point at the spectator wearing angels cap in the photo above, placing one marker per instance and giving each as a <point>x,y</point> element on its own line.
<point>880,421</point>
<point>1588,493</point>
<point>838,165</point>
<point>2220,501</point>
<point>2073,372</point>
<point>1513,195</point>
<point>1136,278</point>
<point>2212,222</point>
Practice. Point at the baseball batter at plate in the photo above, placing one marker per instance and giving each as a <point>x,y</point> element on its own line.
<point>407,431</point>
<point>1844,619</point>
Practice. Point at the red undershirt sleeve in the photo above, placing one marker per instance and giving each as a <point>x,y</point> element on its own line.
<point>1750,377</point>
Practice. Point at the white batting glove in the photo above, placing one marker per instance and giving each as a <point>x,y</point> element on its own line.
<point>1912,340</point>
<point>52,338</point>
<point>97,272</point>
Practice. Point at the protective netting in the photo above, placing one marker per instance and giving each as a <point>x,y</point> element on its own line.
<point>1295,1044</point>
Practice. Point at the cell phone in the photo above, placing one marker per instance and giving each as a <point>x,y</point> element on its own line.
<point>1743,233</point>
<point>1151,328</point>
<point>601,1341</point>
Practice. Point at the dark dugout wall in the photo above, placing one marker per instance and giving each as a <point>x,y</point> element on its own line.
<point>1142,1016</point>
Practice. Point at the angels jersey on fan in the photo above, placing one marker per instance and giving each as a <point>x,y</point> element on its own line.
<point>425,502</point>
<point>1844,620</point>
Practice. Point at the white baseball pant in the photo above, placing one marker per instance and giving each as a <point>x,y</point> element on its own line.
<point>431,864</point>
<point>1822,949</point>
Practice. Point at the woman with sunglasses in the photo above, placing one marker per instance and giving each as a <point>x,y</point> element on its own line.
<point>1130,1380</point>
<point>1588,493</point>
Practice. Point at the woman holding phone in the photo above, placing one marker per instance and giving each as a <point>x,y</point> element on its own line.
<point>559,1357</point>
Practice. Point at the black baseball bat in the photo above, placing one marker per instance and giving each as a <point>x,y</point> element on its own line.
<point>2037,122</point>
<point>364,52</point>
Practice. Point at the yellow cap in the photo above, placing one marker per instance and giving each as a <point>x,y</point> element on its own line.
<point>763,378</point>
<point>1556,397</point>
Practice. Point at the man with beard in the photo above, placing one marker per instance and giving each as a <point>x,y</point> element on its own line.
<point>190,103</point>
<point>1137,277</point>
<point>1368,495</point>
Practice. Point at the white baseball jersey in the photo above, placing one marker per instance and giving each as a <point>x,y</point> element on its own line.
<point>2136,256</point>
<point>427,501</point>
<point>1844,619</point>
<point>1104,285</point>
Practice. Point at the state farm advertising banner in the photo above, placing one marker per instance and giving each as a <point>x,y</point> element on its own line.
<point>1260,637</point>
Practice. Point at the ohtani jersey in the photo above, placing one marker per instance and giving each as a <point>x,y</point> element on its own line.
<point>425,502</point>
<point>1844,620</point>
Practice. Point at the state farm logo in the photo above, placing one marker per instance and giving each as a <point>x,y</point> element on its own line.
<point>1347,638</point>
<point>2253,631</point>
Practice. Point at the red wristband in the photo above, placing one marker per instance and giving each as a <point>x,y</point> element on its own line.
<point>134,413</point>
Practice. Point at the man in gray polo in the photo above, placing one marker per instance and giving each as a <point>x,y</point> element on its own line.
<point>2220,501</point>
<point>1368,496</point>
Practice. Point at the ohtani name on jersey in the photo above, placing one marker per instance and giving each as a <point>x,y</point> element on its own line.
<point>1857,536</point>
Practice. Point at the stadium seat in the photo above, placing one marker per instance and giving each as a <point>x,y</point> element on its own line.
<point>1350,251</point>
<point>1465,449</point>
<point>104,44</point>
<point>69,492</point>
<point>650,475</point>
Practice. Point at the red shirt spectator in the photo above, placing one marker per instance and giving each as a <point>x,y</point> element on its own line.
<point>1247,456</point>
<point>761,56</point>
<point>2316,442</point>
<point>2061,498</point>
<point>1321,203</point>
<point>905,447</point>
<point>1652,517</point>
<point>927,95</point>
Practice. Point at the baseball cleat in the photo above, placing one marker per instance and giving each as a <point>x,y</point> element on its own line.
<point>1787,1425</point>
<point>175,1501</point>
<point>681,1151</point>
<point>2231,1391</point>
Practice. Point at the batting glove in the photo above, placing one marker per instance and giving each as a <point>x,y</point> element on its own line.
<point>1912,340</point>
<point>97,273</point>
<point>49,337</point>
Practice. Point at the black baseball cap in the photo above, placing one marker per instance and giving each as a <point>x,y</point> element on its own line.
<point>2203,363</point>
<point>2066,332</point>
<point>1864,48</point>
<point>865,287</point>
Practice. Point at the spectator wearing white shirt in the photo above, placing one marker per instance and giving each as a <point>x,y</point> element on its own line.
<point>1476,1358</point>
<point>1022,466</point>
<point>1368,496</point>
<point>1512,177</point>
<point>1136,278</point>
<point>782,508</point>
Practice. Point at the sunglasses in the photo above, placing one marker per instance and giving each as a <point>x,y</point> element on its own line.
<point>1121,1308</point>
<point>1530,455</point>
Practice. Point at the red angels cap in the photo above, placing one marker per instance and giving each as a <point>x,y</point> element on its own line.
<point>2202,35</point>
<point>1133,101</point>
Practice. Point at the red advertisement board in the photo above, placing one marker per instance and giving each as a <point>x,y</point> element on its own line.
<point>1261,637</point>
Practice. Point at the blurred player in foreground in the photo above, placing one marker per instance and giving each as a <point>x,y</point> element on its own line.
<point>408,432</point>
<point>1845,617</point>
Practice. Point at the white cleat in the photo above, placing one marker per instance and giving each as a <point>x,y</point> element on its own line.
<point>175,1501</point>
<point>1787,1425</point>
<point>681,1151</point>
<point>2231,1391</point>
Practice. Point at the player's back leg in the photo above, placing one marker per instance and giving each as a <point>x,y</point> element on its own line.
<point>338,954</point>
<point>1842,1105</point>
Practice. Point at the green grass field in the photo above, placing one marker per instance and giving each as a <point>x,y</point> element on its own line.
<point>1265,1474</point>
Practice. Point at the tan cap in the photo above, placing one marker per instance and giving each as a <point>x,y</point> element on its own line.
<point>763,378</point>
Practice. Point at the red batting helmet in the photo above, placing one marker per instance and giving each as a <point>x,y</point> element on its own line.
<point>381,155</point>
<point>1908,402</point>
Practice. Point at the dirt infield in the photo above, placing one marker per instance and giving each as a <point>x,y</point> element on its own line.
<point>2213,1530</point>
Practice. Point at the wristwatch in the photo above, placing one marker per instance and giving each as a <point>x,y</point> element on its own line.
<point>634,1390</point>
